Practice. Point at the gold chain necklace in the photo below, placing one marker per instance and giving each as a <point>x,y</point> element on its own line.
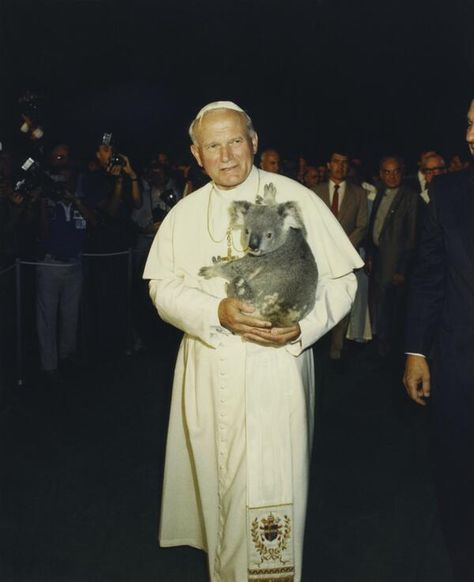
<point>228,232</point>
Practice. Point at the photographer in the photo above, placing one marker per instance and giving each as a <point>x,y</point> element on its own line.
<point>18,216</point>
<point>160,194</point>
<point>110,188</point>
<point>63,219</point>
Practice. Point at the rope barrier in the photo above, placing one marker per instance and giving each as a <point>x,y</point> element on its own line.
<point>42,264</point>
<point>19,297</point>
<point>10,268</point>
<point>105,254</point>
<point>66,264</point>
<point>45,264</point>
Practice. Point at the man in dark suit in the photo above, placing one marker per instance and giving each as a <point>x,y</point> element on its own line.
<point>348,203</point>
<point>391,242</point>
<point>440,326</point>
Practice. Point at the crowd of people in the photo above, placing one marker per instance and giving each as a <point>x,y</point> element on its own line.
<point>59,208</point>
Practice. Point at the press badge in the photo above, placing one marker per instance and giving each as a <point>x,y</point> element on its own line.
<point>79,221</point>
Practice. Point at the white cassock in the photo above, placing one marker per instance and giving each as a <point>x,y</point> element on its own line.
<point>241,420</point>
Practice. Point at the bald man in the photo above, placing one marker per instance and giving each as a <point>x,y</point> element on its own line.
<point>270,161</point>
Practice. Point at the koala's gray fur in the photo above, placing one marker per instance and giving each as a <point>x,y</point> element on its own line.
<point>278,276</point>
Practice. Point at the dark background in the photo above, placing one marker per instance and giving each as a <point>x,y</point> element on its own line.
<point>373,76</point>
<point>82,465</point>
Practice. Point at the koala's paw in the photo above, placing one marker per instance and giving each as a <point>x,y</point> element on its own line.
<point>206,272</point>
<point>217,260</point>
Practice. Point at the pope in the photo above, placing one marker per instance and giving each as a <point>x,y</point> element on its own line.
<point>242,411</point>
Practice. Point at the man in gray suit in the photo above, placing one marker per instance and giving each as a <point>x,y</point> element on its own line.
<point>348,203</point>
<point>392,237</point>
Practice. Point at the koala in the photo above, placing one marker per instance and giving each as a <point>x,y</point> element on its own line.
<point>278,275</point>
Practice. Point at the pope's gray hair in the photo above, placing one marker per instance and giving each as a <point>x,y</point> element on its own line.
<point>219,106</point>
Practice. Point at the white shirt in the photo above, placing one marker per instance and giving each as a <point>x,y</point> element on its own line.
<point>425,196</point>
<point>422,180</point>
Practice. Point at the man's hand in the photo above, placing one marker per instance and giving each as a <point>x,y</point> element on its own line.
<point>236,316</point>
<point>16,198</point>
<point>128,170</point>
<point>398,279</point>
<point>417,379</point>
<point>115,171</point>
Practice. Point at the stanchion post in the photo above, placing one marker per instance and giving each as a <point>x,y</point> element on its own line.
<point>129,302</point>
<point>19,327</point>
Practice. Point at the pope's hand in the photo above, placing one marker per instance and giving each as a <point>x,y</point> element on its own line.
<point>275,336</point>
<point>417,379</point>
<point>236,316</point>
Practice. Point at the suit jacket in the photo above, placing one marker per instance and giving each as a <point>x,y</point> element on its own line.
<point>397,240</point>
<point>441,308</point>
<point>353,213</point>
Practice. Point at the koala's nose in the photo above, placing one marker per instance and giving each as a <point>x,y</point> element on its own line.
<point>254,243</point>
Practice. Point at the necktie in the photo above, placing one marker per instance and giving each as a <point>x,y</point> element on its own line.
<point>335,200</point>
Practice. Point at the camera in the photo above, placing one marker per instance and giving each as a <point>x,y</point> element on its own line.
<point>117,160</point>
<point>169,197</point>
<point>33,177</point>
<point>106,139</point>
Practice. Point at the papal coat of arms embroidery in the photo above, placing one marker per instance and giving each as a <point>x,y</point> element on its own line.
<point>271,552</point>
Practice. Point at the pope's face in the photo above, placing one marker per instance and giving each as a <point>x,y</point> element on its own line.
<point>470,128</point>
<point>224,148</point>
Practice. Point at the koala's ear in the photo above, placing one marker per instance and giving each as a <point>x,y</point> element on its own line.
<point>291,216</point>
<point>238,211</point>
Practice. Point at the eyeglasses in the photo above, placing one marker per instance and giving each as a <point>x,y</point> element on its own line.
<point>435,169</point>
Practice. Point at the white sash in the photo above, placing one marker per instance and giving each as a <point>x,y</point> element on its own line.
<point>271,376</point>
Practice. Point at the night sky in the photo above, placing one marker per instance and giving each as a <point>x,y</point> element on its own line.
<point>366,75</point>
